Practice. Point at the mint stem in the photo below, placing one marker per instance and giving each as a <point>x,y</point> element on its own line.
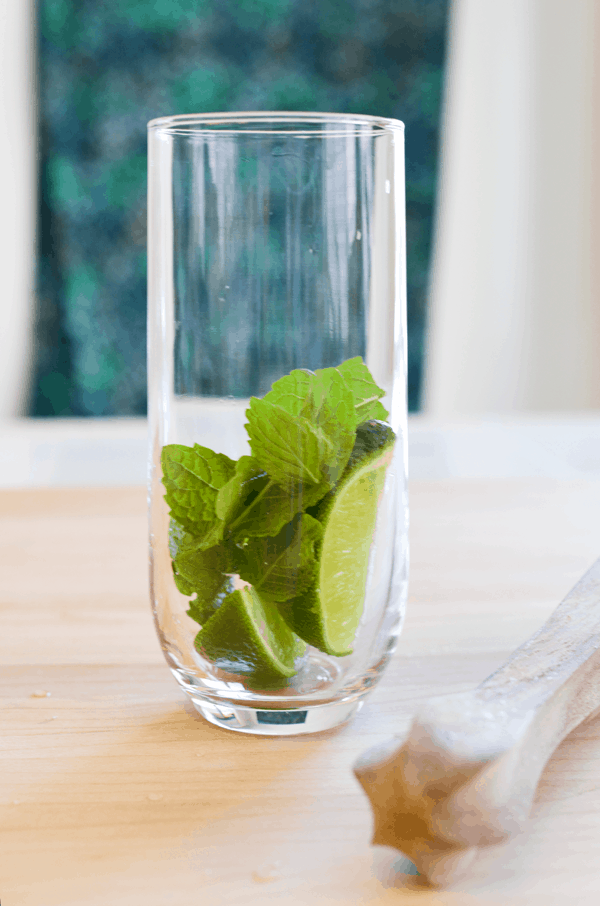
<point>372,399</point>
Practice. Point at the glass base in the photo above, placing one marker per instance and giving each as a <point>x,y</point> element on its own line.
<point>275,722</point>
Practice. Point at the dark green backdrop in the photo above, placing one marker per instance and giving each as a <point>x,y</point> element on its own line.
<point>108,66</point>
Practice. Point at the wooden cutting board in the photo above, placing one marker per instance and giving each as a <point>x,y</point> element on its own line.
<point>113,791</point>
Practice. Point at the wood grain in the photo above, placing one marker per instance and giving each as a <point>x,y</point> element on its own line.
<point>113,791</point>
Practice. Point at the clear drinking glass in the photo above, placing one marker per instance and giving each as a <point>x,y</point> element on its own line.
<point>279,556</point>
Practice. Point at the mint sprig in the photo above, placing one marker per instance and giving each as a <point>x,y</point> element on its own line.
<point>249,518</point>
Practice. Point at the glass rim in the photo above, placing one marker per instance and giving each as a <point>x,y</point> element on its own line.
<point>243,120</point>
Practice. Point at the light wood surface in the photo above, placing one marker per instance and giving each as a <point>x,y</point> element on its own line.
<point>113,791</point>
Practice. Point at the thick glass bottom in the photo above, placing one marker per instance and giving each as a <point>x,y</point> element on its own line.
<point>275,722</point>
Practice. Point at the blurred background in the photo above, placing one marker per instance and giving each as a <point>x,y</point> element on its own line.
<point>501,103</point>
<point>105,67</point>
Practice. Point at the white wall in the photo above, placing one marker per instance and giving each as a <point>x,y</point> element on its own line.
<point>18,195</point>
<point>515,296</point>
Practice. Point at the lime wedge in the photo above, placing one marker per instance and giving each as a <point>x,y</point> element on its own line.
<point>247,635</point>
<point>328,616</point>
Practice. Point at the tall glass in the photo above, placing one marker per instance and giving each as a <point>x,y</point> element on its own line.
<point>277,406</point>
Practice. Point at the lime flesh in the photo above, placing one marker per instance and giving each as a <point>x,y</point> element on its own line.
<point>328,617</point>
<point>247,636</point>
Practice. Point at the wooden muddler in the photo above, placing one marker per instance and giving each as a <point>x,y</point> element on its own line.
<point>467,773</point>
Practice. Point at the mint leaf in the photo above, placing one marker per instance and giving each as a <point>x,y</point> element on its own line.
<point>305,392</point>
<point>248,480</point>
<point>183,585</point>
<point>364,389</point>
<point>322,400</point>
<point>204,572</point>
<point>287,447</point>
<point>252,504</point>
<point>292,391</point>
<point>195,565</point>
<point>193,477</point>
<point>335,414</point>
<point>177,537</point>
<point>181,541</point>
<point>285,566</point>
<point>195,467</point>
<point>202,610</point>
<point>327,401</point>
